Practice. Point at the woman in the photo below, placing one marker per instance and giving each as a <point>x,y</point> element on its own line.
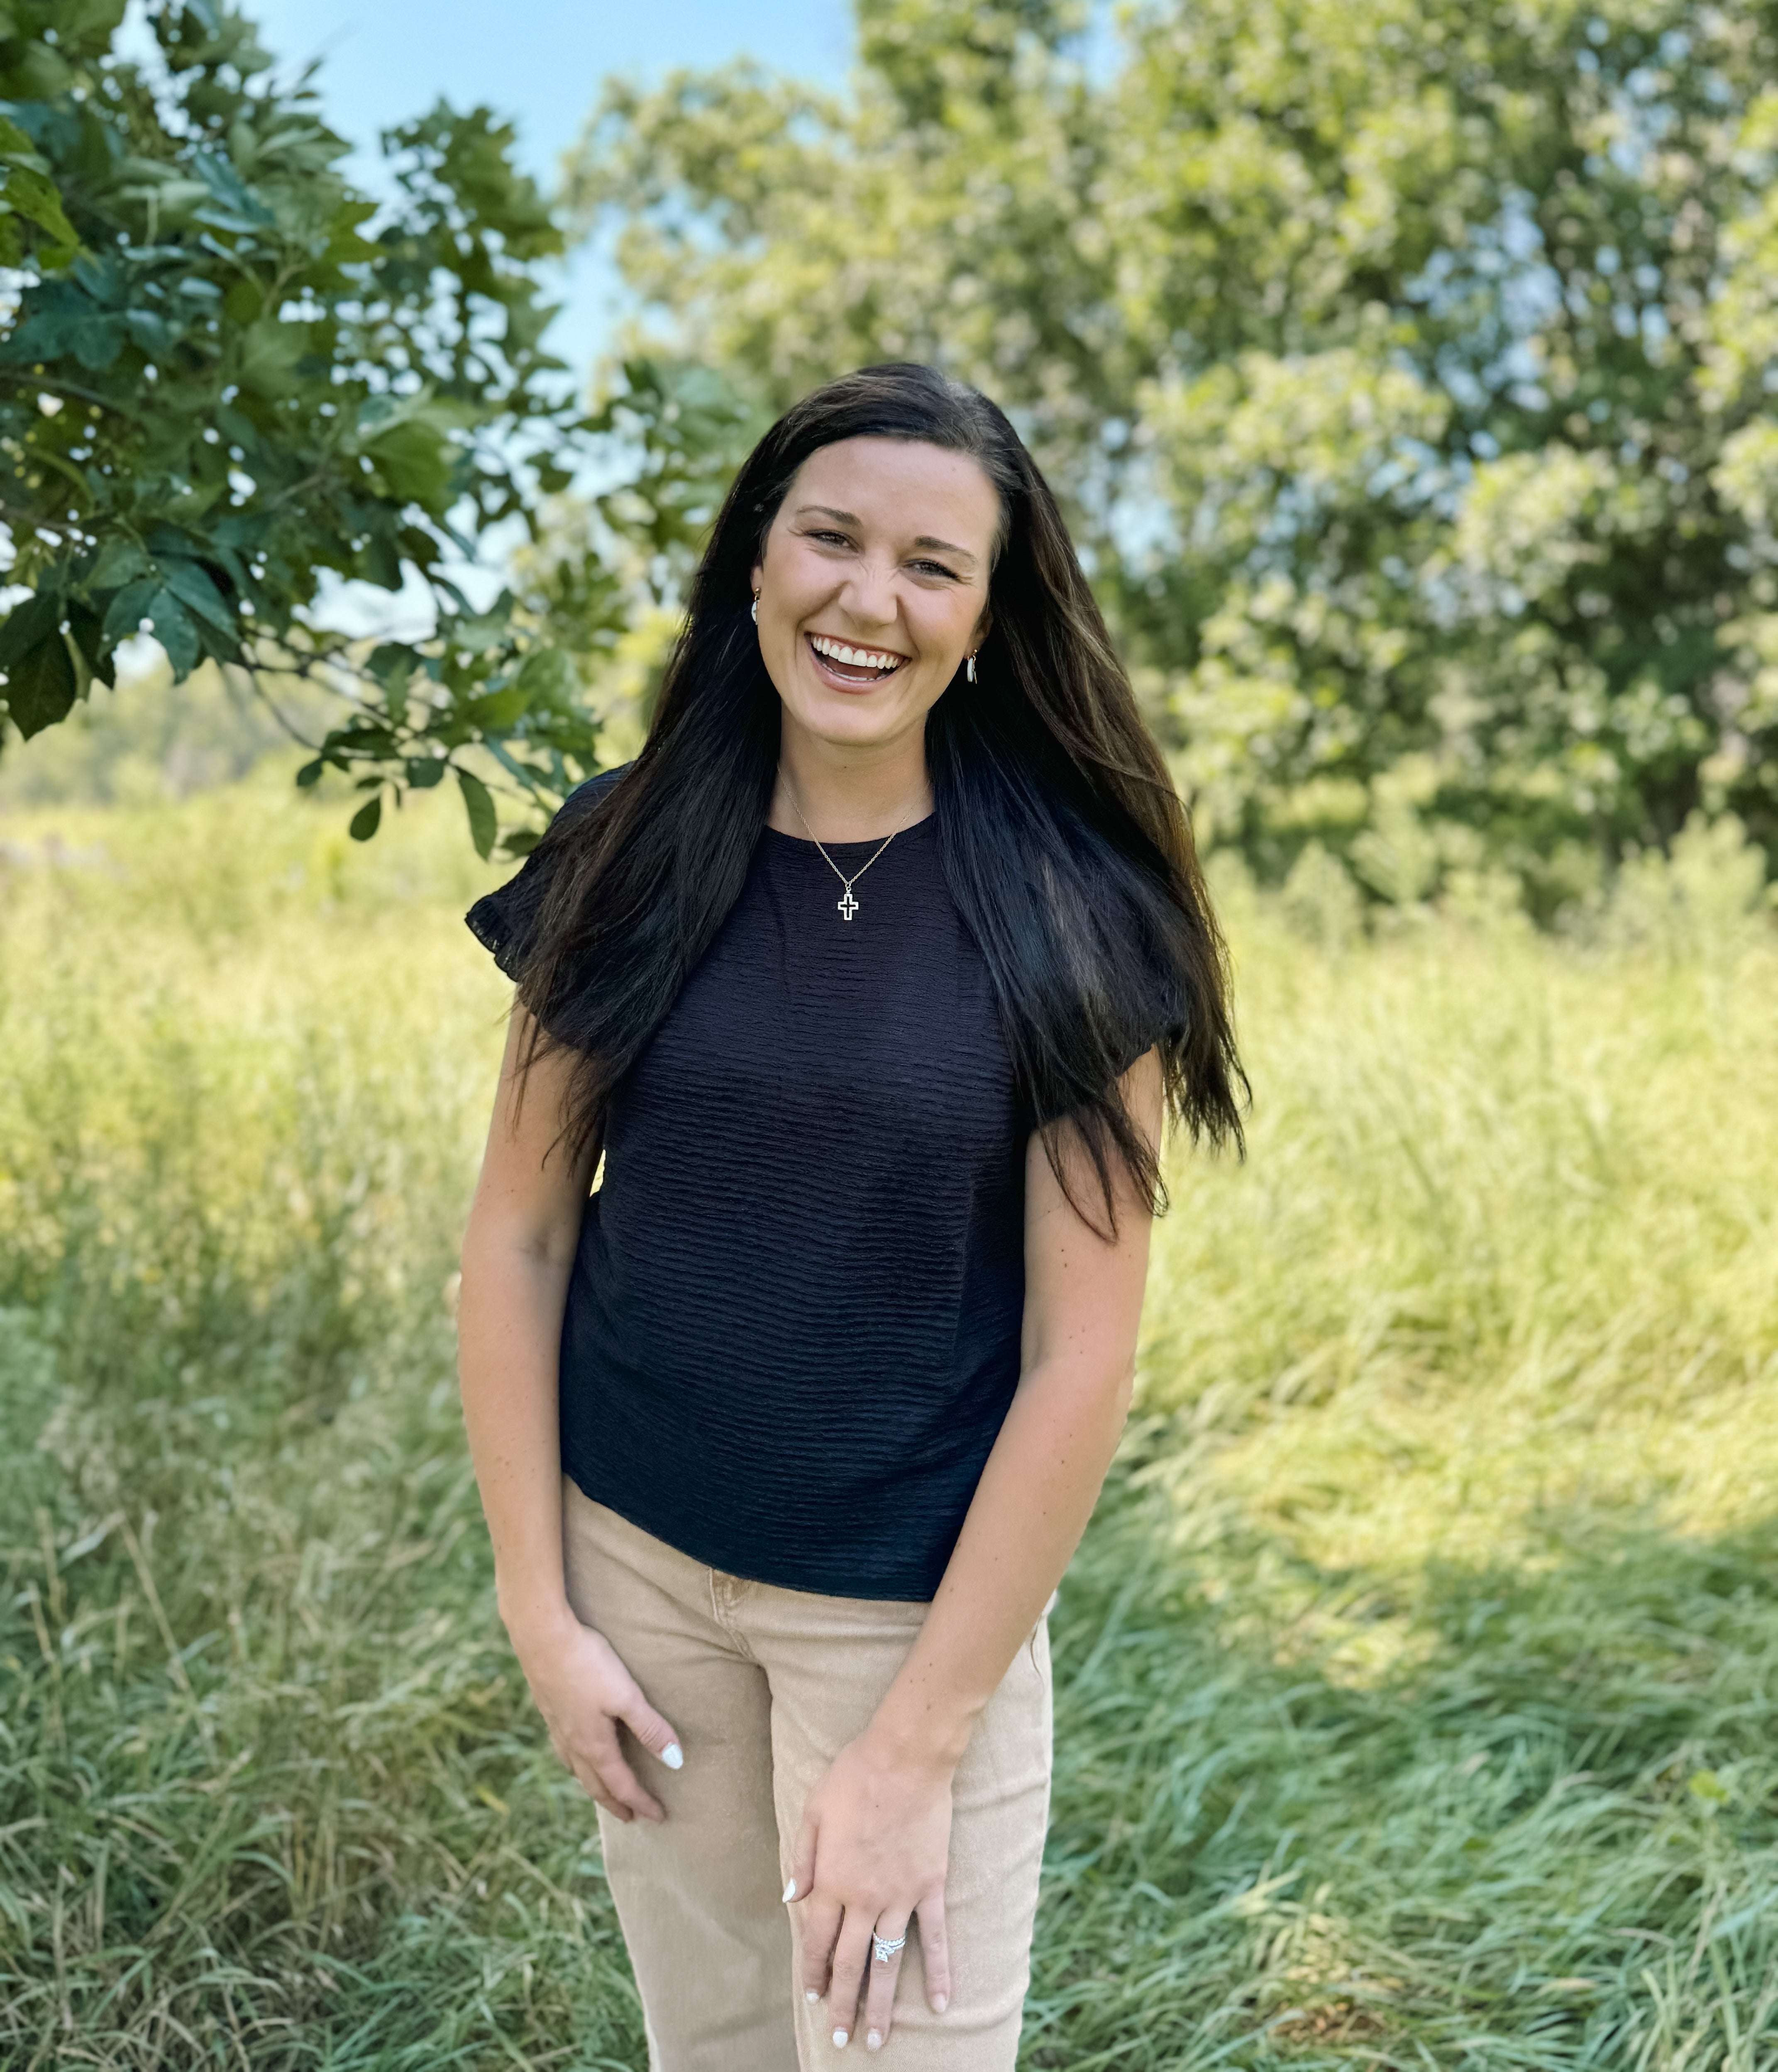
<point>872,979</point>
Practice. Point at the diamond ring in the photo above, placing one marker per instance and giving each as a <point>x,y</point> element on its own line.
<point>884,1951</point>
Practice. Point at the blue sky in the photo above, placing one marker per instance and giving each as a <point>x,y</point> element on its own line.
<point>540,64</point>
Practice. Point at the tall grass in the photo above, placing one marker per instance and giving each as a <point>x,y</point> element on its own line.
<point>1414,1686</point>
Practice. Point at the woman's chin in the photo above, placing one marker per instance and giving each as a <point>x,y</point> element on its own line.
<point>844,720</point>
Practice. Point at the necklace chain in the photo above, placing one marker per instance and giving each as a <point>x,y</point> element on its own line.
<point>846,902</point>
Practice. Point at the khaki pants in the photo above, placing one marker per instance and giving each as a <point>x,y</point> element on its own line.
<point>764,1687</point>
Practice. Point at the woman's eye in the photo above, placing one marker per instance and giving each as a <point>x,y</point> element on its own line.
<point>839,539</point>
<point>936,569</point>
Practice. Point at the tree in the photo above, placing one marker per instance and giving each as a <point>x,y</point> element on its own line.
<point>1407,366</point>
<point>228,380</point>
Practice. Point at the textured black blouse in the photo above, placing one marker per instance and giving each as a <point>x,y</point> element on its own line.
<point>792,1329</point>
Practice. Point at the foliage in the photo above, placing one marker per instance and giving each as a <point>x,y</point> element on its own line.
<point>1408,367</point>
<point>150,739</point>
<point>230,383</point>
<point>1414,1687</point>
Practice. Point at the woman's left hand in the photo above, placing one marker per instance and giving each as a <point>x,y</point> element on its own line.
<point>872,1851</point>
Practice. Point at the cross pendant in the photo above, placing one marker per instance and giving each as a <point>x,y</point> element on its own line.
<point>847,905</point>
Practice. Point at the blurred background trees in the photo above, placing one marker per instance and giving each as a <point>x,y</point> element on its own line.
<point>1408,370</point>
<point>1408,367</point>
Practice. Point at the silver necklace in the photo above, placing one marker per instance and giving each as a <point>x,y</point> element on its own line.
<point>847,904</point>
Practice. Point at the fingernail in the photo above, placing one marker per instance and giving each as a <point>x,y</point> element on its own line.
<point>674,1756</point>
<point>873,2040</point>
<point>839,2039</point>
<point>809,1993</point>
<point>790,1892</point>
<point>940,2001</point>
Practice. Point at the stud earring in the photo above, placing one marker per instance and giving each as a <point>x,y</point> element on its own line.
<point>968,668</point>
<point>755,607</point>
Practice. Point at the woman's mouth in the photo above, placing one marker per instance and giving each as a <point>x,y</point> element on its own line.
<point>849,667</point>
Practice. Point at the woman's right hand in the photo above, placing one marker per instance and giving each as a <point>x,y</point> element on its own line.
<point>583,1691</point>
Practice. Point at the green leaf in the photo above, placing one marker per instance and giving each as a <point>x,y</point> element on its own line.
<point>269,353</point>
<point>41,685</point>
<point>550,678</point>
<point>483,822</point>
<point>87,25</point>
<point>33,196</point>
<point>88,634</point>
<point>392,665</point>
<point>129,608</point>
<point>498,710</point>
<point>154,336</point>
<point>415,463</point>
<point>121,561</point>
<point>310,774</point>
<point>380,560</point>
<point>393,661</point>
<point>39,72</point>
<point>476,633</point>
<point>97,340</point>
<point>175,632</point>
<point>27,625</point>
<point>192,585</point>
<point>367,820</point>
<point>424,771</point>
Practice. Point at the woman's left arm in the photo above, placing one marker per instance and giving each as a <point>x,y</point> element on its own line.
<point>876,1831</point>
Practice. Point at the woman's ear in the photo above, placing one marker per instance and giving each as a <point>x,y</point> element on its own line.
<point>984,626</point>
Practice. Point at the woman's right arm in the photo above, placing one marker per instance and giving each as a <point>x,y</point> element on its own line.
<point>518,1252</point>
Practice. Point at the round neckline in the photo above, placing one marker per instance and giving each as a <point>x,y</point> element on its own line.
<point>871,841</point>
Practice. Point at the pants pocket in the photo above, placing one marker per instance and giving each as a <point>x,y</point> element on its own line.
<point>1039,1657</point>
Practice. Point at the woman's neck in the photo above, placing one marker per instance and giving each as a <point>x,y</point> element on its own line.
<point>848,795</point>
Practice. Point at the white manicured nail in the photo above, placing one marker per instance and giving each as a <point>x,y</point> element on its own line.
<point>674,1756</point>
<point>940,2001</point>
<point>790,1892</point>
<point>873,2040</point>
<point>839,2039</point>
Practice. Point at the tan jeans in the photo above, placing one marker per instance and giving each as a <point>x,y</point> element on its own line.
<point>765,1686</point>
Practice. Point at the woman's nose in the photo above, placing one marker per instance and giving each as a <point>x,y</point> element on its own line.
<point>870,594</point>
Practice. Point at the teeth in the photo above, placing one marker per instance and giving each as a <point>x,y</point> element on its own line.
<point>855,658</point>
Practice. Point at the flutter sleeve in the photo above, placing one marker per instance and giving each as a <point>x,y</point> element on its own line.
<point>502,921</point>
<point>1135,1002</point>
<point>1150,1010</point>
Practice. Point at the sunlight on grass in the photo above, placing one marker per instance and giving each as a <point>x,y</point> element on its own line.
<point>1414,1685</point>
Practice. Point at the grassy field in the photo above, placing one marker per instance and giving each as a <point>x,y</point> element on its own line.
<point>1416,1682</point>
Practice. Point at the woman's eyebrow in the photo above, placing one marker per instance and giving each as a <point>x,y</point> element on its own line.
<point>851,518</point>
<point>945,547</point>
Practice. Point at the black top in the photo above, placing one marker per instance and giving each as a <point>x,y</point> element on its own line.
<point>792,1329</point>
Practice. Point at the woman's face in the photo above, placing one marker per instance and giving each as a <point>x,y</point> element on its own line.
<point>873,585</point>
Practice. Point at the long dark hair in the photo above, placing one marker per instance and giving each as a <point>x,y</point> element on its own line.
<point>1065,847</point>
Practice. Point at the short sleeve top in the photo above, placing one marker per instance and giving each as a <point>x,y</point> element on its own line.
<point>793,1328</point>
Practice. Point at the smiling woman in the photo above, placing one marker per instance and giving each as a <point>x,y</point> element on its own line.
<point>864,616</point>
<point>853,587</point>
<point>787,1433</point>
